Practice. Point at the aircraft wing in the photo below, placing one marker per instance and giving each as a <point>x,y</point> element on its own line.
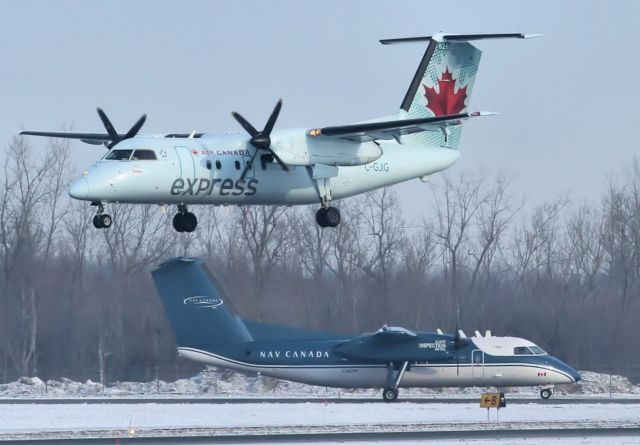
<point>370,131</point>
<point>89,138</point>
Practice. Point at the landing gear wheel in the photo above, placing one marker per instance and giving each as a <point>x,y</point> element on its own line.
<point>546,393</point>
<point>320,216</point>
<point>390,395</point>
<point>105,220</point>
<point>332,216</point>
<point>185,222</point>
<point>328,217</point>
<point>177,222</point>
<point>190,222</point>
<point>102,221</point>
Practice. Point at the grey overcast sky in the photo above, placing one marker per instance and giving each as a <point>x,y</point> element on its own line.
<point>568,101</point>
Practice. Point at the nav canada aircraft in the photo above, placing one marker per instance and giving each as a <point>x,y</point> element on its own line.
<point>291,166</point>
<point>208,331</point>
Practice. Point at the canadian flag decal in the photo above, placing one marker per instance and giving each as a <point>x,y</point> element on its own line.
<point>446,101</point>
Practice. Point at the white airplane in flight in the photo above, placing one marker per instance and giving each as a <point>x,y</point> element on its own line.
<point>291,166</point>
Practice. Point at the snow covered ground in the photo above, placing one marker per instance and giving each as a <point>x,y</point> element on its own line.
<point>151,419</point>
<point>100,420</point>
<point>212,383</point>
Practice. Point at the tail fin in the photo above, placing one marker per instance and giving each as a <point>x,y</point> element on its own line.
<point>443,83</point>
<point>196,306</point>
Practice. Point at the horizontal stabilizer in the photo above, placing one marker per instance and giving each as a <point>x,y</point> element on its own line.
<point>391,129</point>
<point>441,37</point>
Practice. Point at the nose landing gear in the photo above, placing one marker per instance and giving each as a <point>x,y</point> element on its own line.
<point>101,220</point>
<point>184,221</point>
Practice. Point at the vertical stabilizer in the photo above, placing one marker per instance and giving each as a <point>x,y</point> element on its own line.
<point>196,306</point>
<point>443,83</point>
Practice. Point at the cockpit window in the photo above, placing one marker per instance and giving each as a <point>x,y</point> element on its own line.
<point>537,350</point>
<point>119,155</point>
<point>521,350</point>
<point>144,155</point>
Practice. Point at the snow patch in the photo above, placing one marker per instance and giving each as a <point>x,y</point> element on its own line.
<point>224,383</point>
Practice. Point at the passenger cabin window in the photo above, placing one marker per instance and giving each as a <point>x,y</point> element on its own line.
<point>144,155</point>
<point>521,350</point>
<point>237,165</point>
<point>119,155</point>
<point>218,165</point>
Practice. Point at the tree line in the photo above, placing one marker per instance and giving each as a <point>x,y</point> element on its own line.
<point>79,302</point>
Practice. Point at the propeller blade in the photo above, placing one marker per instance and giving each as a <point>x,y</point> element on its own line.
<point>245,124</point>
<point>277,158</point>
<point>249,164</point>
<point>136,127</point>
<point>111,131</point>
<point>272,119</point>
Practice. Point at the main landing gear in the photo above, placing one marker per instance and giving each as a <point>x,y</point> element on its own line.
<point>101,220</point>
<point>390,392</point>
<point>328,216</point>
<point>546,393</point>
<point>184,221</point>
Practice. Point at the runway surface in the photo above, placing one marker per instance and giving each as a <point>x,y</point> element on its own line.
<point>586,421</point>
<point>292,400</point>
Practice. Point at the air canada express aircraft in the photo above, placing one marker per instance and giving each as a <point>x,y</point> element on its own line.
<point>207,330</point>
<point>291,166</point>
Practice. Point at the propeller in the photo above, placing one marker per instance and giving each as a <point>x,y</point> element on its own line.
<point>261,140</point>
<point>113,134</point>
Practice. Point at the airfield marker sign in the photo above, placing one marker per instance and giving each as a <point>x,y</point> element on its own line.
<point>493,400</point>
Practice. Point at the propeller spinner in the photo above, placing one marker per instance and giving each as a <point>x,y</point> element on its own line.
<point>261,140</point>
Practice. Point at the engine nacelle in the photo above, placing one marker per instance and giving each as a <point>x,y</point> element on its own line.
<point>296,148</point>
<point>373,349</point>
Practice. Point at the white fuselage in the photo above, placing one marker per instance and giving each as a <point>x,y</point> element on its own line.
<point>207,170</point>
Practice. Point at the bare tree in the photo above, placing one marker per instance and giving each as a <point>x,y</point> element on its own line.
<point>346,254</point>
<point>585,246</point>
<point>494,213</point>
<point>456,207</point>
<point>382,240</point>
<point>262,237</point>
<point>534,244</point>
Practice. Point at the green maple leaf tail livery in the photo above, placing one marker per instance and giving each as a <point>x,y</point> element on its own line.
<point>271,166</point>
<point>208,330</point>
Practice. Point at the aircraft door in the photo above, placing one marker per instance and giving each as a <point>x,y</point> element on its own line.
<point>477,363</point>
<point>186,163</point>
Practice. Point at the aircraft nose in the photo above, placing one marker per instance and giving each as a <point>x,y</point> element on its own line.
<point>569,372</point>
<point>79,189</point>
<point>575,375</point>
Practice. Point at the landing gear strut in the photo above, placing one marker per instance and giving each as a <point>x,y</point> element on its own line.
<point>184,221</point>
<point>390,393</point>
<point>101,220</point>
<point>328,217</point>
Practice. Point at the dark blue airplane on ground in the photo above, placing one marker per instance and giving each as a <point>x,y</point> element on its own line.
<point>209,331</point>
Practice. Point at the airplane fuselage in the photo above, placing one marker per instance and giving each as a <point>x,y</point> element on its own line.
<point>208,170</point>
<point>316,363</point>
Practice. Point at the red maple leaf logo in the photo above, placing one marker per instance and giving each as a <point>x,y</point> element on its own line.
<point>446,101</point>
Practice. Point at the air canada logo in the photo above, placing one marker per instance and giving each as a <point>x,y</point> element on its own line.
<point>446,100</point>
<point>203,302</point>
